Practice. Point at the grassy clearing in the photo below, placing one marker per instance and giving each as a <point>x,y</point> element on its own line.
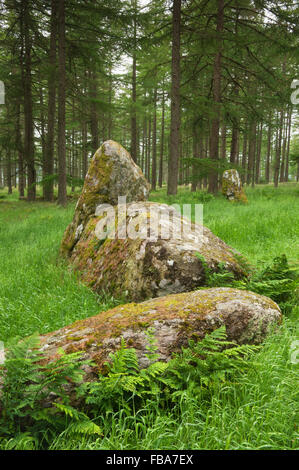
<point>39,293</point>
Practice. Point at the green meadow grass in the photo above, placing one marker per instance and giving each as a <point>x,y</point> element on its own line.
<point>38,292</point>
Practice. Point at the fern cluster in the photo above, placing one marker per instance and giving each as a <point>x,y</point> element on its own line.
<point>34,403</point>
<point>277,280</point>
<point>197,370</point>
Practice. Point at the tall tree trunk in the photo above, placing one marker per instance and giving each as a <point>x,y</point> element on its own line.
<point>62,188</point>
<point>283,150</point>
<point>19,147</point>
<point>223,141</point>
<point>286,174</point>
<point>234,143</point>
<point>28,104</point>
<point>278,150</point>
<point>258,155</point>
<point>174,154</point>
<point>195,154</point>
<point>244,153</point>
<point>48,187</point>
<point>134,96</point>
<point>214,137</point>
<point>267,168</point>
<point>251,153</point>
<point>162,142</point>
<point>94,121</point>
<point>154,156</point>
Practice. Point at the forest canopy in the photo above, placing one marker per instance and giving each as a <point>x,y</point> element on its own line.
<point>189,87</point>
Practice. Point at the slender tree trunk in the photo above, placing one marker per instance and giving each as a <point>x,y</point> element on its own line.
<point>251,153</point>
<point>173,163</point>
<point>258,155</point>
<point>267,169</point>
<point>223,141</point>
<point>162,142</point>
<point>62,188</point>
<point>94,121</point>
<point>154,156</point>
<point>278,150</point>
<point>286,175</point>
<point>234,143</point>
<point>19,147</point>
<point>214,138</point>
<point>134,95</point>
<point>28,104</point>
<point>284,146</point>
<point>49,151</point>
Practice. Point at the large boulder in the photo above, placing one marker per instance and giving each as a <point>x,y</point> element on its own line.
<point>174,319</point>
<point>175,256</point>
<point>112,173</point>
<point>232,186</point>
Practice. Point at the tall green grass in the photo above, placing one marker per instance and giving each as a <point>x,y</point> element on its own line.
<point>38,292</point>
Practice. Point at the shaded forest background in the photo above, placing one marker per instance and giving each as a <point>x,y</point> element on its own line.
<point>190,88</point>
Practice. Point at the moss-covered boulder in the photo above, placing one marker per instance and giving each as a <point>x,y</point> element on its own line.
<point>158,261</point>
<point>232,186</point>
<point>175,319</point>
<point>112,173</point>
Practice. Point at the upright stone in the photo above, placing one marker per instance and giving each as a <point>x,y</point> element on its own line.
<point>232,186</point>
<point>112,173</point>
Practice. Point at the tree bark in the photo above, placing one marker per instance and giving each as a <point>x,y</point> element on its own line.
<point>162,142</point>
<point>28,103</point>
<point>173,163</point>
<point>62,184</point>
<point>154,156</point>
<point>49,151</point>
<point>214,137</point>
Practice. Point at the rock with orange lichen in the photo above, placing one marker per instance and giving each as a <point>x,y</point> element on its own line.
<point>174,319</point>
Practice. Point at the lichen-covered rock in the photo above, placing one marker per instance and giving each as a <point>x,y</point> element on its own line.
<point>112,173</point>
<point>232,186</point>
<point>153,263</point>
<point>175,319</point>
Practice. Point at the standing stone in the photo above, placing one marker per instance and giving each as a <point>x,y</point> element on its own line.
<point>232,186</point>
<point>112,173</point>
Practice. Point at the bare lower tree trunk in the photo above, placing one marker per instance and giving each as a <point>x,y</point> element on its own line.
<point>162,142</point>
<point>49,151</point>
<point>286,175</point>
<point>62,189</point>
<point>267,168</point>
<point>223,141</point>
<point>134,95</point>
<point>94,122</point>
<point>214,138</point>
<point>21,169</point>
<point>154,156</point>
<point>258,154</point>
<point>278,150</point>
<point>28,104</point>
<point>173,163</point>
<point>251,153</point>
